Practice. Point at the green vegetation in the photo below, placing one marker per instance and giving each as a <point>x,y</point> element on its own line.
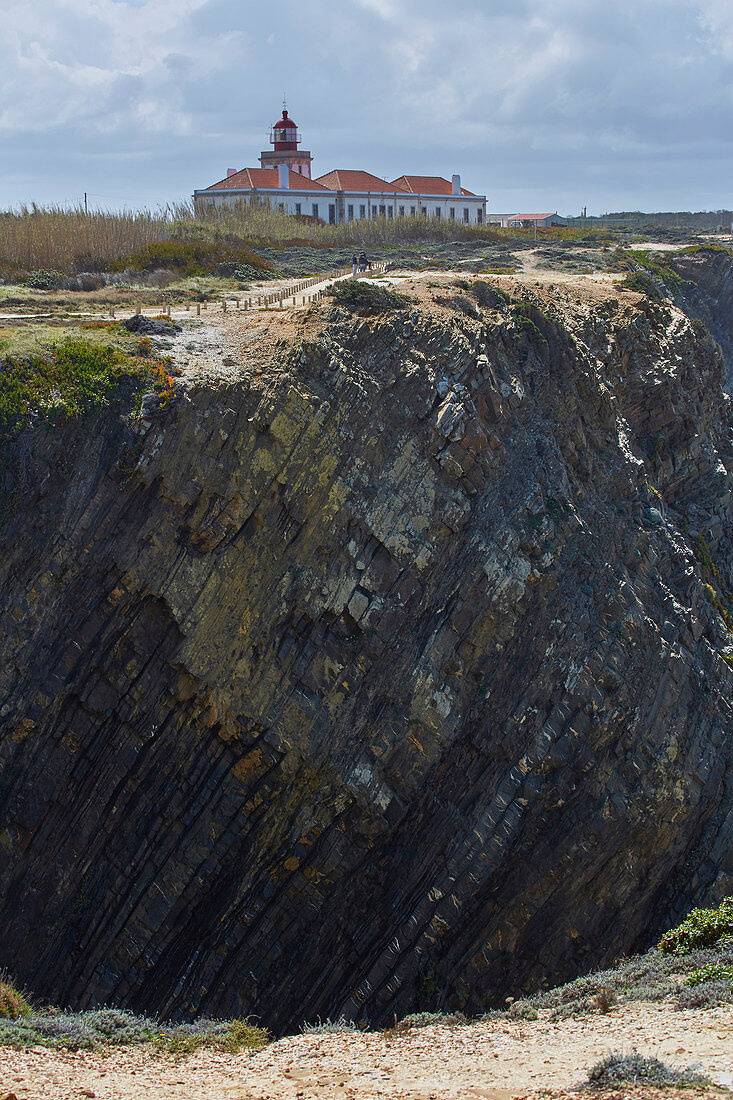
<point>366,298</point>
<point>197,258</point>
<point>115,1027</point>
<point>68,241</point>
<point>712,972</point>
<point>638,1069</point>
<point>652,272</point>
<point>12,1002</point>
<point>702,928</point>
<point>75,377</point>
<point>487,295</point>
<point>23,1025</point>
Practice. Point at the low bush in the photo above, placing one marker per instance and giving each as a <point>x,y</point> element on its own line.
<point>702,928</point>
<point>488,296</point>
<point>77,377</point>
<point>429,1019</point>
<point>706,995</point>
<point>366,298</point>
<point>712,972</point>
<point>44,280</point>
<point>189,258</point>
<point>329,1027</point>
<point>12,1002</point>
<point>635,1068</point>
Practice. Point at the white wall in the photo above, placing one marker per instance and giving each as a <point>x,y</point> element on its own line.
<point>290,198</point>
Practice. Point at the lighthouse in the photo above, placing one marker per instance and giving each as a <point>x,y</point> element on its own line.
<point>285,139</point>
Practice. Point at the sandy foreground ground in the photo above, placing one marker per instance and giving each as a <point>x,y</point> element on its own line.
<point>493,1060</point>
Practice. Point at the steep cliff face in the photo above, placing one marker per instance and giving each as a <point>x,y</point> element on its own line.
<point>392,676</point>
<point>707,295</point>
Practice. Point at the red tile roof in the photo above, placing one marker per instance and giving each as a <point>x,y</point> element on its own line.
<point>427,185</point>
<point>248,178</point>
<point>340,180</point>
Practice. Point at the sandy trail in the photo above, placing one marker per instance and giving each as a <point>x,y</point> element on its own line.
<point>495,1059</point>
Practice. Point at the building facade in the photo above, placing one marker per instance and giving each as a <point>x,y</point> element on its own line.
<point>283,181</point>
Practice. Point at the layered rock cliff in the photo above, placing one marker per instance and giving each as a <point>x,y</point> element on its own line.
<point>391,676</point>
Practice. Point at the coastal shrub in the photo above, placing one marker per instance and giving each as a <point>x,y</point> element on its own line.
<point>189,258</point>
<point>488,296</point>
<point>44,280</point>
<point>329,1027</point>
<point>702,928</point>
<point>711,972</point>
<point>461,304</point>
<point>366,298</point>
<point>635,1068</point>
<point>77,377</point>
<point>706,995</point>
<point>643,283</point>
<point>428,1019</point>
<point>18,1033</point>
<point>243,1035</point>
<point>12,1002</point>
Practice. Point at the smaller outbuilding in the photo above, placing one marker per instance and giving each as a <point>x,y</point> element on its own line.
<point>527,221</point>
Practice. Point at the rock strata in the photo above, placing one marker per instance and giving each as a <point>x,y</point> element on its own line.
<point>393,677</point>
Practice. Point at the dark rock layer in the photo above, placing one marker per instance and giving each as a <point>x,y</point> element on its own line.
<point>394,678</point>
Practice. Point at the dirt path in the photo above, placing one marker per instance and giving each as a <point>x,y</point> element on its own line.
<point>495,1060</point>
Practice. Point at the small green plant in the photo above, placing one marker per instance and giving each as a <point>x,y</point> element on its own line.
<point>702,928</point>
<point>76,377</point>
<point>712,972</point>
<point>44,280</point>
<point>366,298</point>
<point>488,296</point>
<point>243,1035</point>
<point>12,1002</point>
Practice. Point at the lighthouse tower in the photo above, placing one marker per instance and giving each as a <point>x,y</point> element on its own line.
<point>285,139</point>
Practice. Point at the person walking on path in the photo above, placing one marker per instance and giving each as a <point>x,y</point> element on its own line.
<point>363,262</point>
<point>355,262</point>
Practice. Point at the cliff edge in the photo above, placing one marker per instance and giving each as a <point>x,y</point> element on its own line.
<point>390,674</point>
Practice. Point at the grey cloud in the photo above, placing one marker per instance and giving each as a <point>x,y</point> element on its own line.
<point>563,102</point>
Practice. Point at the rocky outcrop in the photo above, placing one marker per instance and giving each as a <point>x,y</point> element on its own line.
<point>395,676</point>
<point>707,295</point>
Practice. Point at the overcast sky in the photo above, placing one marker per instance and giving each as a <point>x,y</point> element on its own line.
<point>539,104</point>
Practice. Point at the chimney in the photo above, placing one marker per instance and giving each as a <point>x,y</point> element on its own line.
<point>283,175</point>
<point>231,172</point>
<point>456,185</point>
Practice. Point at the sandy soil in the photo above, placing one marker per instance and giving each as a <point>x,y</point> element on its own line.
<point>226,346</point>
<point>495,1060</point>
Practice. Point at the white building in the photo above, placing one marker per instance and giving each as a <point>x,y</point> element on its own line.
<point>284,182</point>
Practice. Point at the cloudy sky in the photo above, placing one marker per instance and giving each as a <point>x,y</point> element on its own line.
<point>539,104</point>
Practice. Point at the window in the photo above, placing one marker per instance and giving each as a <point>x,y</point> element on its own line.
<point>389,211</point>
<point>314,208</point>
<point>375,212</point>
<point>413,211</point>
<point>437,212</point>
<point>331,213</point>
<point>382,210</point>
<point>402,211</point>
<point>424,211</point>
<point>298,208</point>
<point>350,213</point>
<point>465,213</point>
<point>479,217</point>
<point>452,213</point>
<point>362,211</point>
<point>281,207</point>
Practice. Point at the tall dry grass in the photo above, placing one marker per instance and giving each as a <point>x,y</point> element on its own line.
<point>70,240</point>
<point>62,239</point>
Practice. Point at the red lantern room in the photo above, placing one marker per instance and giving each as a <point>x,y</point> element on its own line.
<point>285,139</point>
<point>284,135</point>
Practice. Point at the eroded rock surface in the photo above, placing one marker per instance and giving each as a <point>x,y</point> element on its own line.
<point>393,677</point>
